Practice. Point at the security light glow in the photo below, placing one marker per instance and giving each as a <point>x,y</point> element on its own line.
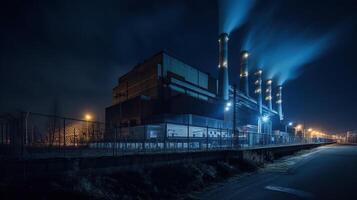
<point>226,38</point>
<point>245,55</point>
<point>298,127</point>
<point>265,118</point>
<point>88,117</point>
<point>225,64</point>
<point>229,104</point>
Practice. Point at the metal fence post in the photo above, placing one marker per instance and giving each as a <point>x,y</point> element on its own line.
<point>188,136</point>
<point>59,136</point>
<point>64,132</point>
<point>5,133</point>
<point>144,139</point>
<point>74,137</point>
<point>165,136</point>
<point>92,138</point>
<point>227,134</point>
<point>21,129</point>
<point>64,136</point>
<point>207,138</point>
<point>220,138</point>
<point>120,139</point>
<point>115,141</point>
<point>233,133</point>
<point>2,134</point>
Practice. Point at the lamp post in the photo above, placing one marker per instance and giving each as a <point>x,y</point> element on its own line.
<point>227,108</point>
<point>87,117</point>
<point>297,128</point>
<point>310,130</point>
<point>265,119</point>
<point>286,126</point>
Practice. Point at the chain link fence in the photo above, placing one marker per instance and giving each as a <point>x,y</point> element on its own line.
<point>35,135</point>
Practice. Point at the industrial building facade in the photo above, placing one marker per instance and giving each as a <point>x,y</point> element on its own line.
<point>163,89</point>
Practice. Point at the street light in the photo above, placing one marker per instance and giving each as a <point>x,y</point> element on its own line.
<point>88,117</point>
<point>286,126</point>
<point>298,127</point>
<point>265,120</point>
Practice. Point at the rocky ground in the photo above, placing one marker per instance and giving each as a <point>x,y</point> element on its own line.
<point>164,182</point>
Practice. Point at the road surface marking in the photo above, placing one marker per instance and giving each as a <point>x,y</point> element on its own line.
<point>292,191</point>
<point>289,163</point>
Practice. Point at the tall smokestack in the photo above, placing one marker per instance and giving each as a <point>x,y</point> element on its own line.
<point>279,102</point>
<point>268,96</point>
<point>244,83</point>
<point>258,90</point>
<point>223,66</point>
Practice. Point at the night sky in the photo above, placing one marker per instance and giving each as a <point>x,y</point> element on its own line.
<point>71,53</point>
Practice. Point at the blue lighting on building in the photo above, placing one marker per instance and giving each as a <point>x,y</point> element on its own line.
<point>265,118</point>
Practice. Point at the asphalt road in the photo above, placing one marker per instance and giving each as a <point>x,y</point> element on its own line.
<point>328,172</point>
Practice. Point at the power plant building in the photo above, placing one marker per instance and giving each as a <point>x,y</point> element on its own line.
<point>164,89</point>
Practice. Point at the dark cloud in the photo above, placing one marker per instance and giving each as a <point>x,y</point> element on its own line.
<point>74,51</point>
